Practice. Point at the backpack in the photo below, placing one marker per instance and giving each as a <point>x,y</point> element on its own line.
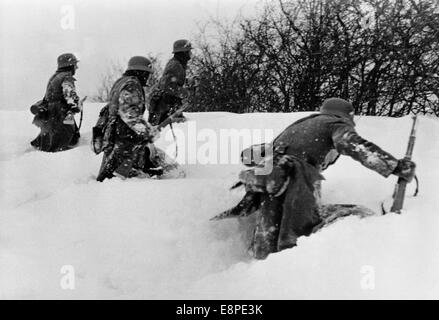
<point>98,131</point>
<point>41,111</point>
<point>39,107</point>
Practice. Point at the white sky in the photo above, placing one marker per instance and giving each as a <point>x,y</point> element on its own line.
<point>32,36</point>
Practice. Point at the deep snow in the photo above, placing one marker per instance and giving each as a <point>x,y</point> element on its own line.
<point>153,239</point>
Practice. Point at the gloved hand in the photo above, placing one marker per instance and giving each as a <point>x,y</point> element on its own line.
<point>405,169</point>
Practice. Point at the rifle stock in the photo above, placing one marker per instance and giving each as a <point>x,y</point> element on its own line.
<point>400,187</point>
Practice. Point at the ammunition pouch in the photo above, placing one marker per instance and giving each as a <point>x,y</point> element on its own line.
<point>39,107</point>
<point>254,154</point>
<point>274,182</point>
<point>41,111</point>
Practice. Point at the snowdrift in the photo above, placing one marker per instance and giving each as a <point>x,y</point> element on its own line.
<point>152,239</point>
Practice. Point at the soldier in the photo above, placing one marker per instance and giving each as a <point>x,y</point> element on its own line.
<point>288,195</point>
<point>168,95</point>
<point>54,114</point>
<point>126,137</point>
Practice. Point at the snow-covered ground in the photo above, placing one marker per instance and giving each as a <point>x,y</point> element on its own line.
<point>153,239</point>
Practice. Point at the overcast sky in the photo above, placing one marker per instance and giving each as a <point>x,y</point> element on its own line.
<point>34,32</point>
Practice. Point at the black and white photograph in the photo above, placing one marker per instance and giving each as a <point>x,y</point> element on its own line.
<point>239,150</point>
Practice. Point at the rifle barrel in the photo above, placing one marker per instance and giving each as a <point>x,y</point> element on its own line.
<point>398,199</point>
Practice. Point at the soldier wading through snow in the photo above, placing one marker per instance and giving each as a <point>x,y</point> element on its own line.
<point>169,93</point>
<point>54,113</point>
<point>122,133</point>
<point>285,198</point>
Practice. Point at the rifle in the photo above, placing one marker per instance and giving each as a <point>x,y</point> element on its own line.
<point>81,102</point>
<point>125,168</point>
<point>399,193</point>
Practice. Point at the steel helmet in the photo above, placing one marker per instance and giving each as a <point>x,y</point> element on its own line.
<point>66,60</point>
<point>337,105</point>
<point>140,63</point>
<point>182,46</point>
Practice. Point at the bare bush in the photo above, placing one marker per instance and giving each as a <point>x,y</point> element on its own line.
<point>380,54</point>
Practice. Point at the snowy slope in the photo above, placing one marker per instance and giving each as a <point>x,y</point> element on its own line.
<point>153,238</point>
